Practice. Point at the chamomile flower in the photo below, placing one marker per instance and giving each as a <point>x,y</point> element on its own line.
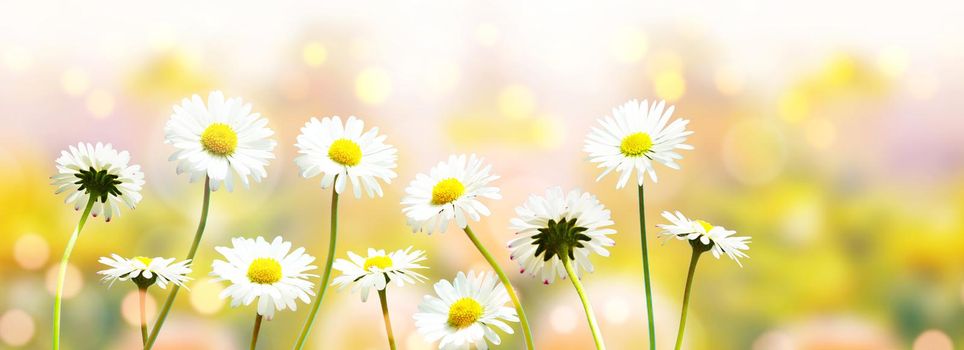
<point>556,226</point>
<point>101,173</point>
<point>378,269</point>
<point>720,240</point>
<point>465,312</point>
<point>145,271</point>
<point>344,153</point>
<point>217,138</point>
<point>634,137</point>
<point>270,272</point>
<point>451,190</point>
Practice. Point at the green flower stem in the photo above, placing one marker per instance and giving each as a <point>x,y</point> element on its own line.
<point>686,295</point>
<point>62,273</point>
<point>590,316</point>
<point>142,296</point>
<point>649,292</point>
<point>257,329</point>
<point>388,320</point>
<point>508,287</point>
<point>332,239</point>
<point>190,256</point>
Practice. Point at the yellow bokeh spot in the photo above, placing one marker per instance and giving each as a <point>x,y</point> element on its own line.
<point>636,144</point>
<point>345,152</point>
<point>219,139</point>
<point>446,191</point>
<point>794,106</point>
<point>100,103</point>
<point>16,327</point>
<point>516,101</point>
<point>381,262</point>
<point>204,296</point>
<point>373,86</point>
<point>75,81</point>
<point>264,271</point>
<point>314,54</point>
<point>728,81</point>
<point>464,312</point>
<point>669,85</point>
<point>31,251</point>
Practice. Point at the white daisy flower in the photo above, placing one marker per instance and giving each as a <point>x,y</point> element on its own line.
<point>269,272</point>
<point>465,311</point>
<point>451,190</point>
<point>212,139</point>
<point>559,225</point>
<point>145,271</point>
<point>378,269</point>
<point>344,153</point>
<point>722,241</point>
<point>99,171</point>
<point>634,137</point>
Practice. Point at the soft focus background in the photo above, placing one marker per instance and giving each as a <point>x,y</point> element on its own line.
<point>829,131</point>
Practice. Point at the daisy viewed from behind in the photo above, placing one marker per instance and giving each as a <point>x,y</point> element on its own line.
<point>144,272</point>
<point>465,312</point>
<point>557,234</point>
<point>702,237</point>
<point>345,153</point>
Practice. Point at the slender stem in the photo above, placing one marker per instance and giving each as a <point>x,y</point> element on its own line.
<point>190,256</point>
<point>325,275</point>
<point>257,329</point>
<point>649,292</point>
<point>388,320</point>
<point>590,316</point>
<point>686,295</point>
<point>142,296</point>
<point>62,273</point>
<point>508,286</point>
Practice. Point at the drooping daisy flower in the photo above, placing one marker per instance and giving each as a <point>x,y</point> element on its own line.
<point>464,312</point>
<point>378,269</point>
<point>451,190</point>
<point>717,238</point>
<point>343,153</point>
<point>558,226</point>
<point>214,139</point>
<point>269,272</point>
<point>145,271</point>
<point>101,172</point>
<point>634,137</point>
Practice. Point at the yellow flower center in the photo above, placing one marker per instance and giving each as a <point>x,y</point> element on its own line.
<point>144,260</point>
<point>446,191</point>
<point>264,271</point>
<point>706,225</point>
<point>636,144</point>
<point>345,152</point>
<point>464,312</point>
<point>381,262</point>
<point>219,139</point>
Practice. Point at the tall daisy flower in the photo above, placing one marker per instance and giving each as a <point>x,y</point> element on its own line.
<point>631,140</point>
<point>214,141</point>
<point>97,178</point>
<point>269,272</point>
<point>702,237</point>
<point>341,154</point>
<point>377,270</point>
<point>464,312</point>
<point>145,272</point>
<point>452,190</point>
<point>556,235</point>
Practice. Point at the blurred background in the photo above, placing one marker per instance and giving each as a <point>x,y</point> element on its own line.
<point>829,131</point>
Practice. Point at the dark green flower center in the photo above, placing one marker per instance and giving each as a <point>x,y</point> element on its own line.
<point>560,238</point>
<point>98,183</point>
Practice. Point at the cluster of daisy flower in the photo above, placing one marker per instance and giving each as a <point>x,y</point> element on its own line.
<point>223,142</point>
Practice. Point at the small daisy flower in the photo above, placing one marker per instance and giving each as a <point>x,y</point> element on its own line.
<point>720,240</point>
<point>465,312</point>
<point>634,137</point>
<point>378,269</point>
<point>451,190</point>
<point>101,172</point>
<point>269,272</point>
<point>558,226</point>
<point>216,138</point>
<point>343,153</point>
<point>145,271</point>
